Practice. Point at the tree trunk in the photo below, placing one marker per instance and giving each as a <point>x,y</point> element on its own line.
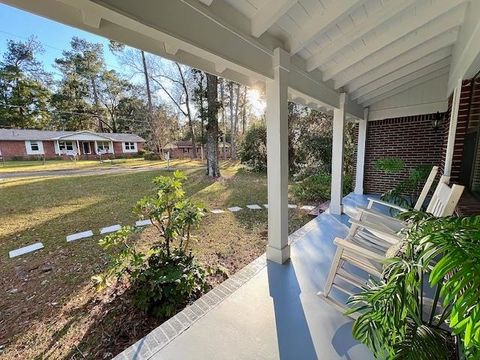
<point>244,110</point>
<point>232,119</point>
<point>96,101</point>
<point>212,127</point>
<point>202,115</point>
<point>233,148</point>
<point>222,101</point>
<point>189,113</point>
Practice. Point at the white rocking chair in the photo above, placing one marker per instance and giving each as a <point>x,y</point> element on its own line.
<point>369,239</point>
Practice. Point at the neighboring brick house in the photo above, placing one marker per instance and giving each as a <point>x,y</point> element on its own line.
<point>30,144</point>
<point>183,149</point>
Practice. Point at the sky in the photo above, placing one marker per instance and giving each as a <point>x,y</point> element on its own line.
<point>20,25</point>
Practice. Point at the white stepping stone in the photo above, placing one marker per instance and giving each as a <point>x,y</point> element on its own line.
<point>217,211</point>
<point>307,207</point>
<point>25,250</point>
<point>110,229</point>
<point>266,206</point>
<point>292,206</point>
<point>234,209</point>
<point>143,222</point>
<point>80,235</point>
<point>254,207</point>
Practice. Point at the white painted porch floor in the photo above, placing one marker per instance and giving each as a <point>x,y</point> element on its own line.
<point>267,310</point>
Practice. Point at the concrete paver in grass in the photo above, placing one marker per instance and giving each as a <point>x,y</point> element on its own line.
<point>307,207</point>
<point>110,229</point>
<point>217,211</point>
<point>235,209</point>
<point>254,207</point>
<point>25,250</point>
<point>265,206</point>
<point>80,235</point>
<point>143,222</point>
<point>292,206</point>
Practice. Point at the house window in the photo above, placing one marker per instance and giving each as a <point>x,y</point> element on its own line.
<point>34,147</point>
<point>129,146</point>
<point>65,145</point>
<point>103,146</point>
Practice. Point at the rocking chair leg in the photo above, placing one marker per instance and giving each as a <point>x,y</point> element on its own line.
<point>333,271</point>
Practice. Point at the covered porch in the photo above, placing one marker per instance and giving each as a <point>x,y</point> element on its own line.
<point>360,60</point>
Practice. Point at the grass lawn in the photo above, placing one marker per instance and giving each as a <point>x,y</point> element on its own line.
<point>48,306</point>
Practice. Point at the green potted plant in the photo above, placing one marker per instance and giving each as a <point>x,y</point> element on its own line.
<point>398,321</point>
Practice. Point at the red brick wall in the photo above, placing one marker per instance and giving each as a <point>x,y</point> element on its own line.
<point>11,149</point>
<point>411,138</point>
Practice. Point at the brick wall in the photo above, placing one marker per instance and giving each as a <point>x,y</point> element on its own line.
<point>11,149</point>
<point>411,138</point>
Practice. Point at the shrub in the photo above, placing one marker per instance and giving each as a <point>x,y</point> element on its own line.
<point>317,187</point>
<point>253,148</point>
<point>313,188</point>
<point>152,156</point>
<point>166,276</point>
<point>390,165</point>
<point>168,282</point>
<point>407,191</point>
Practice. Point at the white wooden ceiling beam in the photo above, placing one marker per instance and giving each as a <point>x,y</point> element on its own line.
<point>206,2</point>
<point>406,87</point>
<point>425,74</point>
<point>440,49</point>
<point>426,42</point>
<point>320,21</point>
<point>445,13</point>
<point>443,55</point>
<point>387,12</point>
<point>268,14</point>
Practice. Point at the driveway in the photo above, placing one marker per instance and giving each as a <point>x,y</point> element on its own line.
<point>81,172</point>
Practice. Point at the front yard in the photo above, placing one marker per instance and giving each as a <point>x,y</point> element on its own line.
<point>49,307</point>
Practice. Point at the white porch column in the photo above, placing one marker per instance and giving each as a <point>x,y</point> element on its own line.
<point>362,138</point>
<point>452,131</point>
<point>278,249</point>
<point>337,157</point>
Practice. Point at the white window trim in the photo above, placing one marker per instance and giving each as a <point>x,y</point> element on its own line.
<point>110,147</point>
<point>65,151</point>
<point>125,150</point>
<point>28,147</point>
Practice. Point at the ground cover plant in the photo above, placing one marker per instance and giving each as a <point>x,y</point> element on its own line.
<point>50,308</point>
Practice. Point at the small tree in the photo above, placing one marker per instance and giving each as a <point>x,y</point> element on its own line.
<point>165,277</point>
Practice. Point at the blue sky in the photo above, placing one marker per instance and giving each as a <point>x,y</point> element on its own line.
<point>19,25</point>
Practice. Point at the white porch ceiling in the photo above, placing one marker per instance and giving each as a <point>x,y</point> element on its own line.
<point>370,49</point>
<point>367,47</point>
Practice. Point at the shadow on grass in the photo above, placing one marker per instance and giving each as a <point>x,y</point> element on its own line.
<point>49,283</point>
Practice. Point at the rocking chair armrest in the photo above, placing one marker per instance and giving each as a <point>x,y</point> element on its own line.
<point>384,203</point>
<point>360,250</point>
<point>377,231</point>
<point>378,215</point>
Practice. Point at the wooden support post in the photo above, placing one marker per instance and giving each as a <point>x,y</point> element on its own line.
<point>278,249</point>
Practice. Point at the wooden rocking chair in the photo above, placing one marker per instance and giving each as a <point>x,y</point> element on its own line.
<point>369,239</point>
